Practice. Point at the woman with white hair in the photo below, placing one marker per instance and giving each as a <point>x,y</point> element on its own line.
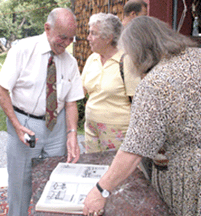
<point>108,105</point>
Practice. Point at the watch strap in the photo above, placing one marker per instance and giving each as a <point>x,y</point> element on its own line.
<point>101,189</point>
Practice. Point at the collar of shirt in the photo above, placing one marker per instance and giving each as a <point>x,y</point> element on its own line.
<point>45,48</point>
<point>116,57</point>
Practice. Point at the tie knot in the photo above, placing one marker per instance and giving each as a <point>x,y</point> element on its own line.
<point>51,58</point>
<point>51,53</point>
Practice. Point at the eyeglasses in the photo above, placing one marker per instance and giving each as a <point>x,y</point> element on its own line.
<point>94,33</point>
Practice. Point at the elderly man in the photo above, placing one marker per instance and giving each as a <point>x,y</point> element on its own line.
<point>39,86</point>
<point>132,9</point>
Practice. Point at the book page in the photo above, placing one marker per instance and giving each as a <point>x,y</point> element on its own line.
<point>64,195</point>
<point>68,187</point>
<point>78,172</point>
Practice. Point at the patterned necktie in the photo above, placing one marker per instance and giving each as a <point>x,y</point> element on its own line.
<point>51,94</point>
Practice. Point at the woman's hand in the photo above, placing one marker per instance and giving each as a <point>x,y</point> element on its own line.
<point>94,203</point>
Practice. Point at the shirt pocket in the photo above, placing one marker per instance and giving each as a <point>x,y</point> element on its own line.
<point>62,89</point>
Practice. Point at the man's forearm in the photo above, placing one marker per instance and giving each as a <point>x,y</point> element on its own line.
<point>71,121</point>
<point>6,104</point>
<point>122,166</point>
<point>71,115</point>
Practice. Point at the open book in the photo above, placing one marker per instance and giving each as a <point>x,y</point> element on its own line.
<point>68,186</point>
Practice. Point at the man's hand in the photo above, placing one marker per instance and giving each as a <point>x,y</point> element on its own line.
<point>21,130</point>
<point>94,203</point>
<point>73,148</point>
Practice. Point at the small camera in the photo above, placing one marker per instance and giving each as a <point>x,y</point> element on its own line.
<point>30,139</point>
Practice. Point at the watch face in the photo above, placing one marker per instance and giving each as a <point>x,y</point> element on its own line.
<point>105,193</point>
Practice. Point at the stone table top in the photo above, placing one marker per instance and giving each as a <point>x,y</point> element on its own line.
<point>134,197</point>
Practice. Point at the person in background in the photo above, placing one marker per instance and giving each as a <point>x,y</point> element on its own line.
<point>23,99</point>
<point>132,9</point>
<point>107,111</point>
<point>165,121</point>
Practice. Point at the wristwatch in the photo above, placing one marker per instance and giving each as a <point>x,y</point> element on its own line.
<point>105,193</point>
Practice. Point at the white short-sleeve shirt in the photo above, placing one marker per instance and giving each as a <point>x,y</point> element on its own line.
<point>24,75</point>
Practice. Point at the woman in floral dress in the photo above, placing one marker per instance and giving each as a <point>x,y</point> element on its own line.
<point>165,118</point>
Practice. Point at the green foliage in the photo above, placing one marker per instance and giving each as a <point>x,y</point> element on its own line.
<point>3,126</point>
<point>2,59</point>
<point>12,20</point>
<point>81,112</point>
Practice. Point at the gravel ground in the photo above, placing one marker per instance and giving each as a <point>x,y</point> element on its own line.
<point>3,142</point>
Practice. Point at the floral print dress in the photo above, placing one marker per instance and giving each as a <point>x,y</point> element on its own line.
<point>166,113</point>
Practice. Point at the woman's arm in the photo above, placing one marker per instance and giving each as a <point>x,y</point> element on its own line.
<point>122,166</point>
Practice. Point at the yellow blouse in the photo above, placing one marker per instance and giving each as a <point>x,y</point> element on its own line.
<point>108,96</point>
